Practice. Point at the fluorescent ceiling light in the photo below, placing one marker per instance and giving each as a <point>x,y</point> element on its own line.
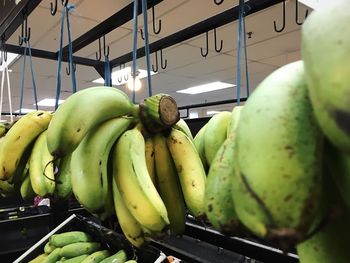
<point>119,75</point>
<point>24,110</point>
<point>49,102</point>
<point>10,58</point>
<point>193,115</point>
<point>206,87</point>
<point>212,112</point>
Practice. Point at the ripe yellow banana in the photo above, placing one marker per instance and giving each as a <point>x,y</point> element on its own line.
<point>89,164</point>
<point>18,138</point>
<point>81,112</point>
<point>135,184</point>
<point>169,185</point>
<point>41,169</point>
<point>130,227</point>
<point>215,134</point>
<point>198,142</point>
<point>181,125</point>
<point>149,151</point>
<point>279,146</point>
<point>190,171</point>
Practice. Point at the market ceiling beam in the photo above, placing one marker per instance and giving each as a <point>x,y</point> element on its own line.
<point>12,15</point>
<point>118,19</point>
<point>216,21</point>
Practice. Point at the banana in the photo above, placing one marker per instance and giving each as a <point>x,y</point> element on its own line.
<point>149,150</point>
<point>97,257</point>
<point>215,134</point>
<point>63,181</point>
<point>18,138</point>
<point>53,256</point>
<point>63,239</point>
<point>6,188</point>
<point>190,171</point>
<point>169,185</point>
<point>80,113</point>
<point>198,142</point>
<point>181,125</point>
<point>218,194</point>
<point>119,257</point>
<point>135,184</point>
<point>89,164</point>
<point>131,228</point>
<point>109,204</point>
<point>328,73</point>
<point>79,248</point>
<point>41,169</point>
<point>26,189</point>
<point>278,178</point>
<point>48,248</point>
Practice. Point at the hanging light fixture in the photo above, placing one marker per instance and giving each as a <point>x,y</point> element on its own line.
<point>138,84</point>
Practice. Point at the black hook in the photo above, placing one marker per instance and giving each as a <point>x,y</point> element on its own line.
<point>98,54</point>
<point>163,66</point>
<point>155,69</point>
<point>221,43</point>
<point>284,20</point>
<point>1,53</point>
<point>106,53</point>
<point>120,77</point>
<point>25,32</point>
<point>68,68</point>
<point>53,9</point>
<point>218,2</point>
<point>64,3</point>
<point>207,44</point>
<point>154,25</point>
<point>141,33</point>
<point>297,13</point>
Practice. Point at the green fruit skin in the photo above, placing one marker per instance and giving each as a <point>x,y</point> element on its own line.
<point>78,259</point>
<point>78,249</point>
<point>97,257</point>
<point>63,239</point>
<point>53,256</point>
<point>48,248</point>
<point>64,185</point>
<point>119,257</point>
<point>326,54</point>
<point>278,160</point>
<point>198,142</point>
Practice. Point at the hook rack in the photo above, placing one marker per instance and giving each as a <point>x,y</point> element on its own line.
<point>163,63</point>
<point>25,32</point>
<point>53,7</point>
<point>120,77</point>
<point>221,43</point>
<point>68,68</point>
<point>284,20</point>
<point>98,53</point>
<point>155,31</point>
<point>205,54</point>
<point>217,49</point>
<point>297,13</point>
<point>218,2</point>
<point>105,49</point>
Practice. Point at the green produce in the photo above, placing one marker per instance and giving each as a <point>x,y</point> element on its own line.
<point>119,257</point>
<point>326,54</point>
<point>278,182</point>
<point>181,125</point>
<point>97,256</point>
<point>53,256</point>
<point>78,259</point>
<point>149,152</point>
<point>48,248</point>
<point>78,249</point>
<point>63,180</point>
<point>190,171</point>
<point>39,259</point>
<point>198,142</point>
<point>63,239</point>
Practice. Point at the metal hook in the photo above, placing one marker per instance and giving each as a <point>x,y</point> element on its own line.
<point>218,2</point>
<point>120,77</point>
<point>155,69</point>
<point>141,33</point>
<point>25,32</point>
<point>106,54</point>
<point>207,44</point>
<point>64,3</point>
<point>98,54</point>
<point>297,13</point>
<point>221,43</point>
<point>53,9</point>
<point>68,68</point>
<point>154,23</point>
<point>1,52</point>
<point>284,20</point>
<point>163,66</point>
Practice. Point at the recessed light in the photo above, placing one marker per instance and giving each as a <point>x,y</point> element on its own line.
<point>212,86</point>
<point>49,102</point>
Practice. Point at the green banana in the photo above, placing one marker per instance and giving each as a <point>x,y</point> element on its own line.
<point>169,185</point>
<point>48,248</point>
<point>63,181</point>
<point>82,112</point>
<point>97,256</point>
<point>131,228</point>
<point>135,184</point>
<point>277,182</point>
<point>190,171</point>
<point>41,169</point>
<point>181,125</point>
<point>18,138</point>
<point>63,239</point>
<point>26,189</point>
<point>131,261</point>
<point>119,257</point>
<point>79,248</point>
<point>215,134</point>
<point>6,188</point>
<point>149,151</point>
<point>198,142</point>
<point>89,164</point>
<point>77,259</point>
<point>53,256</point>
<point>328,73</point>
<point>218,194</point>
<point>39,259</point>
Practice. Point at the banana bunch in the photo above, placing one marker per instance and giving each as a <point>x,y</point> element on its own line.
<point>77,247</point>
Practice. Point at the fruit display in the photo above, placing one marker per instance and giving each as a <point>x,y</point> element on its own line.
<point>77,247</point>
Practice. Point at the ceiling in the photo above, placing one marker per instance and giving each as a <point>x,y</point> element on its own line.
<point>267,50</point>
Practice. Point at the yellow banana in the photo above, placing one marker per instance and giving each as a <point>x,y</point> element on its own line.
<point>181,125</point>
<point>190,171</point>
<point>149,150</point>
<point>89,164</point>
<point>81,112</point>
<point>169,185</point>
<point>135,184</point>
<point>18,138</point>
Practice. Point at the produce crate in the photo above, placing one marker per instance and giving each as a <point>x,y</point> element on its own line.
<point>108,238</point>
